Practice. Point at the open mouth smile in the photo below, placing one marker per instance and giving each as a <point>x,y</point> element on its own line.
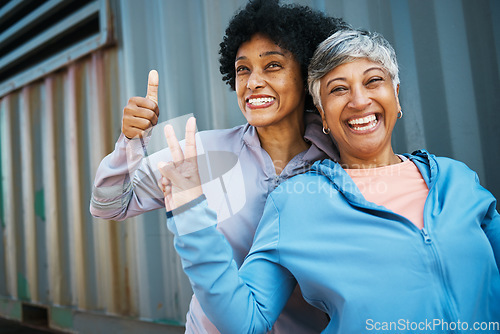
<point>363,124</point>
<point>260,102</point>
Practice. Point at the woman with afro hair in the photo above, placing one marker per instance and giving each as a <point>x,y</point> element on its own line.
<point>264,57</point>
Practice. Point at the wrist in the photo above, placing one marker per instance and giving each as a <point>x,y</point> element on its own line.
<point>186,196</point>
<point>186,206</point>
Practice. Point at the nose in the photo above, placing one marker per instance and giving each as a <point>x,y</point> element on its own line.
<point>359,98</point>
<point>255,81</point>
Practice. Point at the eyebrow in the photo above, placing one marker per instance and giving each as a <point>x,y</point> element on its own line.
<point>265,54</point>
<point>366,71</point>
<point>374,68</point>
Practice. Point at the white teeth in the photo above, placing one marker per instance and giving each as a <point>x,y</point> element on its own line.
<point>364,120</point>
<point>260,101</point>
<point>367,127</point>
<point>370,121</point>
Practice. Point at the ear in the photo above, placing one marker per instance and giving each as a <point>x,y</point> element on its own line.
<point>397,97</point>
<point>323,117</point>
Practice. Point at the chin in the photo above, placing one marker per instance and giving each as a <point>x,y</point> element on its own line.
<point>366,152</point>
<point>260,121</point>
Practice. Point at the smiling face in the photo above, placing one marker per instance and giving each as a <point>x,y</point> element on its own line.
<point>360,107</point>
<point>269,83</point>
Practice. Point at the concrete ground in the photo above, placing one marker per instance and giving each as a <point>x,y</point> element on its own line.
<point>14,327</point>
<point>94,324</point>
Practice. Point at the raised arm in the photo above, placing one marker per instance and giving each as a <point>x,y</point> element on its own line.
<point>245,301</point>
<point>125,184</point>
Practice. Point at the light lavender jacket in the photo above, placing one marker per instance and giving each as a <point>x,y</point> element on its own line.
<point>237,176</point>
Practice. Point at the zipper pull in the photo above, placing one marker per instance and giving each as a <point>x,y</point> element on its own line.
<point>427,238</point>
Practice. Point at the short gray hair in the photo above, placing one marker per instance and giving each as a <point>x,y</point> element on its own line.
<point>346,46</point>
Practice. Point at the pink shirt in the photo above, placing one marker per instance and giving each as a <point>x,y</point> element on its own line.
<point>400,188</point>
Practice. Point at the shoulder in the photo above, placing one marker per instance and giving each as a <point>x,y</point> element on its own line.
<point>459,181</point>
<point>443,163</point>
<point>237,130</point>
<point>234,132</point>
<point>458,172</point>
<point>445,168</point>
<point>454,168</point>
<point>446,162</point>
<point>223,139</point>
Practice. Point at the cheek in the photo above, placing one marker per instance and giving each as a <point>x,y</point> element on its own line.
<point>292,82</point>
<point>238,87</point>
<point>333,110</point>
<point>389,99</point>
<point>240,94</point>
<point>241,82</point>
<point>282,84</point>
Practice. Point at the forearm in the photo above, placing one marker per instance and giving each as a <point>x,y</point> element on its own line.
<point>125,185</point>
<point>236,302</point>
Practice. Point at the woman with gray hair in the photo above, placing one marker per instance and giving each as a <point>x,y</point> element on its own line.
<point>381,242</point>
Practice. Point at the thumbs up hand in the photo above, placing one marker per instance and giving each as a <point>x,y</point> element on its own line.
<point>180,180</point>
<point>141,113</point>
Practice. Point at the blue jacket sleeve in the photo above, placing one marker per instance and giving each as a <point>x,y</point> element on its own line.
<point>245,301</point>
<point>491,227</point>
<point>491,220</point>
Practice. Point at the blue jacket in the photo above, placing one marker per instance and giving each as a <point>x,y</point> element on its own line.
<point>370,269</point>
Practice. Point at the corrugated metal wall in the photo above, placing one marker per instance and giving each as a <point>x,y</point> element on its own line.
<point>99,275</point>
<point>54,133</point>
<point>449,54</point>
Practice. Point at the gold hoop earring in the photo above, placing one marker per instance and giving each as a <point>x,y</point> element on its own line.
<point>400,114</point>
<point>326,131</point>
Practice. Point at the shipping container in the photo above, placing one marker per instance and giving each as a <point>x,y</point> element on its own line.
<point>67,69</point>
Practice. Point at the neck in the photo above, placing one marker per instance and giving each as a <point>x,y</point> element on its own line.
<point>359,162</point>
<point>282,142</point>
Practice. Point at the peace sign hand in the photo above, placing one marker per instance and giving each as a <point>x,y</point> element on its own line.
<point>180,180</point>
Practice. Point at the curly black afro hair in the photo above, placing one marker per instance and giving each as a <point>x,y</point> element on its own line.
<point>298,29</point>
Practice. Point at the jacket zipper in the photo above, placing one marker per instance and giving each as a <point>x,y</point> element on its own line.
<point>449,305</point>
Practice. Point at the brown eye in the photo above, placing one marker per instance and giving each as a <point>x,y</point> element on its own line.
<point>273,65</point>
<point>241,69</point>
<point>338,89</point>
<point>374,80</point>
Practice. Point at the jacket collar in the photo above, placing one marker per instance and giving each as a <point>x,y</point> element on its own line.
<point>342,182</point>
<point>426,164</point>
